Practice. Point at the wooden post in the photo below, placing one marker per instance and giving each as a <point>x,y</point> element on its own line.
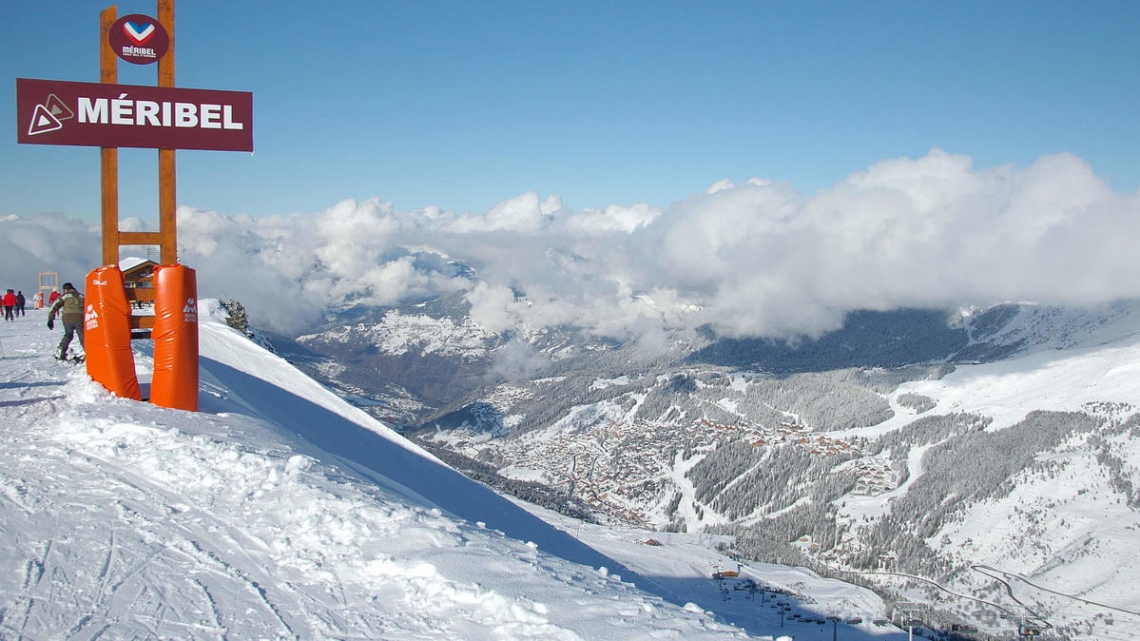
<point>109,156</point>
<point>167,235</point>
<point>167,189</point>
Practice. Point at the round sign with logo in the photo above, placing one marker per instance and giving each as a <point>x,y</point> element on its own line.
<point>138,39</point>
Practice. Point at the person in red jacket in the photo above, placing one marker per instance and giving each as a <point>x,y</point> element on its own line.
<point>9,304</point>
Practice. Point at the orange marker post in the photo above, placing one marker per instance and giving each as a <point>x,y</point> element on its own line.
<point>107,333</point>
<point>175,334</point>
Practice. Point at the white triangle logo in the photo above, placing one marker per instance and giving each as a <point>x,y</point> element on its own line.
<point>43,121</point>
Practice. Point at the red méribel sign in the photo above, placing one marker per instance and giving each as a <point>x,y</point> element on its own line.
<point>51,112</point>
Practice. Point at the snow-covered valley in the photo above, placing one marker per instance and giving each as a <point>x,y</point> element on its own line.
<point>1026,464</point>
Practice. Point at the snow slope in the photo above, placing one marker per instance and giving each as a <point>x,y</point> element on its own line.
<point>280,512</point>
<point>1064,536</point>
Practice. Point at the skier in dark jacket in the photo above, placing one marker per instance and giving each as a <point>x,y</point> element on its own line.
<point>69,306</point>
<point>21,302</point>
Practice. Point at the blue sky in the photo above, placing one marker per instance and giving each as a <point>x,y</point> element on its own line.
<point>463,105</point>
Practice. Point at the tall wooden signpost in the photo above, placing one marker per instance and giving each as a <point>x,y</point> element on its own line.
<point>109,115</point>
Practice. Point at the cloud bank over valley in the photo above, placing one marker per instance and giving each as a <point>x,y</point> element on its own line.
<point>754,258</point>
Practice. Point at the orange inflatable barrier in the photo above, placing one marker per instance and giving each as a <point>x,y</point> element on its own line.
<point>175,334</point>
<point>107,333</point>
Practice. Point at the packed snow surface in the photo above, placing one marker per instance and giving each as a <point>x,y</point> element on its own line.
<point>278,511</point>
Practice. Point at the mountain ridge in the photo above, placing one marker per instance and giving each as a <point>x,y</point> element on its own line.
<point>742,440</point>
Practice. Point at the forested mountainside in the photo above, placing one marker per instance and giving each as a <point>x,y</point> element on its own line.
<point>910,443</point>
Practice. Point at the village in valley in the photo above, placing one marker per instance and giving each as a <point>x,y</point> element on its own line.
<point>618,466</point>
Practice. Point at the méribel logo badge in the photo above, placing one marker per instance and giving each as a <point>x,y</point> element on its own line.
<point>138,39</point>
<point>139,32</point>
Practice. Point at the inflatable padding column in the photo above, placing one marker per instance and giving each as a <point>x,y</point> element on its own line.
<point>175,334</point>
<point>107,333</point>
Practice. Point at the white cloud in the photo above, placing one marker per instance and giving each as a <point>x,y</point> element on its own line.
<point>755,258</point>
<point>615,218</point>
<point>520,214</point>
<point>930,231</point>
